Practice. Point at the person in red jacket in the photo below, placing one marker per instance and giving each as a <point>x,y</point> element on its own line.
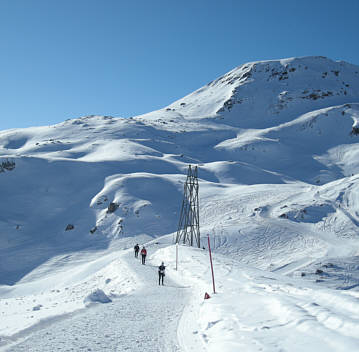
<point>143,254</point>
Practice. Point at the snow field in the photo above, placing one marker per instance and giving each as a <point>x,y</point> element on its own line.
<point>55,294</point>
<point>141,319</point>
<point>276,145</point>
<point>256,310</point>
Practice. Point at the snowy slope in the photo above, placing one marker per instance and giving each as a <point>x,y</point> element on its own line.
<point>276,143</point>
<point>267,93</point>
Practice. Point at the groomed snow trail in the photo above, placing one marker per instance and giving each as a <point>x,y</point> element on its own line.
<point>146,320</point>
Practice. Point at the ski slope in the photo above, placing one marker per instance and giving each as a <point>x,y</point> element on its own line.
<point>276,144</point>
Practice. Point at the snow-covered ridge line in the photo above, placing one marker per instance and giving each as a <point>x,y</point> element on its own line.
<point>294,81</point>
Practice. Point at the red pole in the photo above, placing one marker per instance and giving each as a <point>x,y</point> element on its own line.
<point>210,258</point>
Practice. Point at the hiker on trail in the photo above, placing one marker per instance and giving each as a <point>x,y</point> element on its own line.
<point>161,273</point>
<point>143,254</point>
<point>136,249</point>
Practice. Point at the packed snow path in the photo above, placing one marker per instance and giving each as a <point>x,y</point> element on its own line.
<point>146,320</point>
<point>253,310</point>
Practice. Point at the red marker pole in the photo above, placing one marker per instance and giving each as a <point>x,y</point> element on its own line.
<point>210,258</point>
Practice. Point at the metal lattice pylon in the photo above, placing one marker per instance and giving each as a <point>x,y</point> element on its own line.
<point>188,227</point>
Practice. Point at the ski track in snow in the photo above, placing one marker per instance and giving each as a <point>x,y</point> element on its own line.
<point>261,311</point>
<point>143,321</point>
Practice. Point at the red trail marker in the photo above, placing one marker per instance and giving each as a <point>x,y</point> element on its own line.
<point>210,258</point>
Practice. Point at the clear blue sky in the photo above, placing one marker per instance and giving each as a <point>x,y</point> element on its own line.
<point>63,59</point>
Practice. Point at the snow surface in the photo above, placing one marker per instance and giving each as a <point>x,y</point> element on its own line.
<point>276,143</point>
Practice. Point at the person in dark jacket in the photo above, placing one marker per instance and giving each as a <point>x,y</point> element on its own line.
<point>161,273</point>
<point>143,254</point>
<point>136,249</point>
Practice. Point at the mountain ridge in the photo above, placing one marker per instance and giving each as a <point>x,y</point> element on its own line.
<point>276,138</point>
<point>277,150</point>
<point>335,83</point>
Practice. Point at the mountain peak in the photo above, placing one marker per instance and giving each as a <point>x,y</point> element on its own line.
<point>264,93</point>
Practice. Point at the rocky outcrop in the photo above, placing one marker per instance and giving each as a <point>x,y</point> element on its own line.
<point>7,165</point>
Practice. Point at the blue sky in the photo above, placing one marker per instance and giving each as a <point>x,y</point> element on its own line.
<point>71,58</point>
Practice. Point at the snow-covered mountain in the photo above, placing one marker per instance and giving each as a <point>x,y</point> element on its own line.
<point>268,93</point>
<point>277,145</point>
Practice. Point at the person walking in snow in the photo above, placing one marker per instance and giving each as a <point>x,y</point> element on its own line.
<point>143,254</point>
<point>161,273</point>
<point>136,249</point>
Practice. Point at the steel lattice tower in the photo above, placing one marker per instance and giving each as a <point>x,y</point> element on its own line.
<point>188,227</point>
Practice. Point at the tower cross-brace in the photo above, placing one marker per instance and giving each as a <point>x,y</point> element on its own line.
<point>188,227</point>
